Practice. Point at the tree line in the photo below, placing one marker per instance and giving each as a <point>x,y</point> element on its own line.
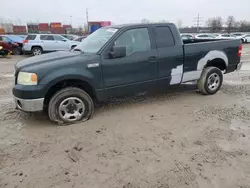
<point>217,24</point>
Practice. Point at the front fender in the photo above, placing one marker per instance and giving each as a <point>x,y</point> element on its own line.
<point>54,77</point>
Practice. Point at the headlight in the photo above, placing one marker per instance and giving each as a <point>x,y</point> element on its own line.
<point>27,78</point>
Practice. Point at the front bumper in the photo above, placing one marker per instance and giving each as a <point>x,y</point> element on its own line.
<point>29,105</point>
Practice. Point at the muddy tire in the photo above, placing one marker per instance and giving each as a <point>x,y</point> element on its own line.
<point>36,51</point>
<point>210,81</point>
<point>17,51</point>
<point>70,105</point>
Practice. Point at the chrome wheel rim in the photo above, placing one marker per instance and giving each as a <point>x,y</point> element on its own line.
<point>213,81</point>
<point>71,109</point>
<point>37,52</point>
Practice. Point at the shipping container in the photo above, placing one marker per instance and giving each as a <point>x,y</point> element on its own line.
<point>2,31</point>
<point>59,30</point>
<point>8,27</point>
<point>67,26</point>
<point>33,27</point>
<point>105,23</point>
<point>19,29</point>
<point>43,26</point>
<point>56,25</point>
<point>93,26</point>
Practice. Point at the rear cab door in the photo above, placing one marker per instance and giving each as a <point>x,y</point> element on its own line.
<point>48,42</point>
<point>170,54</point>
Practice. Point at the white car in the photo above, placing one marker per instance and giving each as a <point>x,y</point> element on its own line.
<point>205,36</point>
<point>240,36</point>
<point>247,37</point>
<point>225,36</point>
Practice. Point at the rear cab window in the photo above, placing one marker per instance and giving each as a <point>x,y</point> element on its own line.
<point>164,37</point>
<point>46,37</point>
<point>31,37</point>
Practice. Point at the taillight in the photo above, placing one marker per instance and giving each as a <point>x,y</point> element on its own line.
<point>239,50</point>
<point>25,41</point>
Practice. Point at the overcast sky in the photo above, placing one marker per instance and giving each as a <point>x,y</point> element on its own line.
<point>121,11</point>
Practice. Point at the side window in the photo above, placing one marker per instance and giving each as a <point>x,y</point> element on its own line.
<point>59,38</point>
<point>1,38</point>
<point>164,37</point>
<point>5,39</point>
<point>46,37</point>
<point>135,40</point>
<point>203,36</point>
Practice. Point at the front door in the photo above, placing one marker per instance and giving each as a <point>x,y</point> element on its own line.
<point>134,72</point>
<point>61,43</point>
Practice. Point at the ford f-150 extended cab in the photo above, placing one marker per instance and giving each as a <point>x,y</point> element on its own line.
<point>116,61</point>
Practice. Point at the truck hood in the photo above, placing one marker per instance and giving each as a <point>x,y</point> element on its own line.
<point>46,58</point>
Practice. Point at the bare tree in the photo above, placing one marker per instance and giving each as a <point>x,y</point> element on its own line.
<point>230,23</point>
<point>244,26</point>
<point>215,24</point>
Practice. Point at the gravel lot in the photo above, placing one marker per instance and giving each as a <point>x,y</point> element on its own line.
<point>166,140</point>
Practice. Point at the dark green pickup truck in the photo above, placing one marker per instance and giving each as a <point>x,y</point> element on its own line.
<point>120,60</point>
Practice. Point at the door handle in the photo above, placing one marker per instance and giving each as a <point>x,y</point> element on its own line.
<point>152,59</point>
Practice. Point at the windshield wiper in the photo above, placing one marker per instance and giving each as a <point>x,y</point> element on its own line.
<point>77,49</point>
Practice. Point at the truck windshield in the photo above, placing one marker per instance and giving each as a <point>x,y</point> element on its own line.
<point>94,42</point>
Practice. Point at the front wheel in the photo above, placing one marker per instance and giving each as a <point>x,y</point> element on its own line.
<point>70,105</point>
<point>210,81</point>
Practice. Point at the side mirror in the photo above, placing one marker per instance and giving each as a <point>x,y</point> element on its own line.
<point>118,52</point>
<point>64,40</point>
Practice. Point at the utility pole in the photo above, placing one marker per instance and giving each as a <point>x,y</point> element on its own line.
<point>198,21</point>
<point>87,19</point>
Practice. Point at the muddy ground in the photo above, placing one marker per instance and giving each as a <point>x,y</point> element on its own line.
<point>165,140</point>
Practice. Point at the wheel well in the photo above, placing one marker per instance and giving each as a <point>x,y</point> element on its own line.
<point>69,83</point>
<point>219,63</point>
<point>36,47</point>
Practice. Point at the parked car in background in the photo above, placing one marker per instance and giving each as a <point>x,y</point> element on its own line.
<point>187,36</point>
<point>205,36</point>
<point>37,44</point>
<point>23,36</point>
<point>70,36</point>
<point>80,39</point>
<point>240,36</point>
<point>225,36</point>
<point>247,37</point>
<point>8,44</point>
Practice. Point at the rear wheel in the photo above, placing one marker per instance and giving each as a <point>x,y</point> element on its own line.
<point>210,81</point>
<point>70,105</point>
<point>36,51</point>
<point>17,51</point>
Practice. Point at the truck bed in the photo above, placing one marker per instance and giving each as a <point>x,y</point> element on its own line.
<point>198,49</point>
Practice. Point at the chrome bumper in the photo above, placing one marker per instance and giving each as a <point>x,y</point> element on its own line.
<point>239,66</point>
<point>29,105</point>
